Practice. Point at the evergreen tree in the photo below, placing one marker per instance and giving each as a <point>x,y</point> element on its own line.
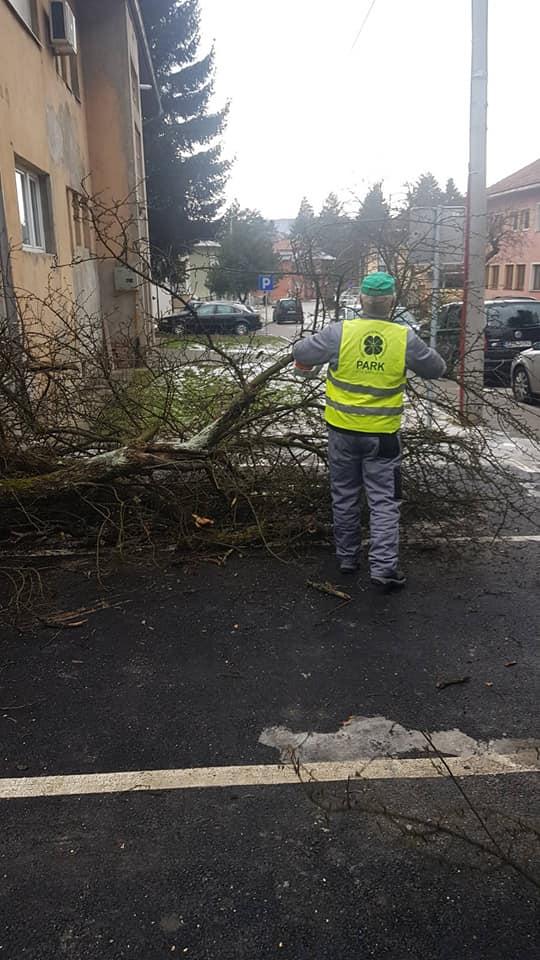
<point>337,233</point>
<point>334,227</point>
<point>375,229</point>
<point>452,196</point>
<point>374,208</point>
<point>186,174</point>
<point>246,251</point>
<point>332,208</point>
<point>305,222</point>
<point>425,192</point>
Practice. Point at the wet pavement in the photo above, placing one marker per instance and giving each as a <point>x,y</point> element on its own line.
<point>190,666</point>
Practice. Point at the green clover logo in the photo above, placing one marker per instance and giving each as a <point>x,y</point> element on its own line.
<point>373,345</point>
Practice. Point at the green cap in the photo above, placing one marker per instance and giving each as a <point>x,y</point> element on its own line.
<point>378,285</point>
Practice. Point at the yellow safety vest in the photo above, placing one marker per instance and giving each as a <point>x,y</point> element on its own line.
<point>365,393</point>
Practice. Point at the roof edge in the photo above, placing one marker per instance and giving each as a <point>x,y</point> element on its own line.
<point>522,189</point>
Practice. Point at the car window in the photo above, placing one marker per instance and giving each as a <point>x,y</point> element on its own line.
<point>514,315</point>
<point>528,316</point>
<point>498,316</point>
<point>206,311</point>
<point>223,309</point>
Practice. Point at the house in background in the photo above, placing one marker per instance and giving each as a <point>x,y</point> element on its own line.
<point>198,264</point>
<point>291,281</point>
<point>514,212</point>
<point>71,121</point>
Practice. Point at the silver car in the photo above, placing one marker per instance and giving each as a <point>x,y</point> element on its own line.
<point>525,375</point>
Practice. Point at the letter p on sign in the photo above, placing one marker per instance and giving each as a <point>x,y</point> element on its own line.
<point>266,282</point>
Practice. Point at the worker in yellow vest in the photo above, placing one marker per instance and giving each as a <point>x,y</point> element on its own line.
<point>368,358</point>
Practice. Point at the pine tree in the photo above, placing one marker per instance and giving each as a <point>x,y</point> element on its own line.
<point>425,192</point>
<point>246,251</point>
<point>332,208</point>
<point>374,208</point>
<point>186,174</point>
<point>305,222</point>
<point>375,229</point>
<point>452,196</point>
<point>334,227</point>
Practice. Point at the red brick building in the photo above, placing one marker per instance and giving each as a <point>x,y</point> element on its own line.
<point>514,211</point>
<point>292,283</point>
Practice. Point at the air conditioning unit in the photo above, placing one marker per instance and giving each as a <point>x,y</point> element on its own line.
<point>63,28</point>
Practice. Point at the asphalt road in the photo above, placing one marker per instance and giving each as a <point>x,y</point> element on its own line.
<point>195,666</point>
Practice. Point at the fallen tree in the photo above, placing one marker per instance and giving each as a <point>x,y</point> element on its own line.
<point>209,428</point>
<point>141,455</point>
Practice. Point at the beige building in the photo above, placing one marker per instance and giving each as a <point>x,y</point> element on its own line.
<point>198,264</point>
<point>71,127</point>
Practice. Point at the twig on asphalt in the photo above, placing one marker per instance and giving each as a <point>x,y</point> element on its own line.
<point>329,589</point>
<point>451,682</point>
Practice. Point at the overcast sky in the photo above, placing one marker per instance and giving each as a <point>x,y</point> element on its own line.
<point>309,114</point>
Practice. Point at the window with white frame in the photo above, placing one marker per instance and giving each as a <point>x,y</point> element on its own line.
<point>535,276</point>
<point>538,217</point>
<point>33,208</point>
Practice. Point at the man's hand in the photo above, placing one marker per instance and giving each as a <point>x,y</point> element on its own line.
<point>306,373</point>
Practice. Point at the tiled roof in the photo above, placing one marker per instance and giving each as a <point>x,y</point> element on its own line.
<point>526,177</point>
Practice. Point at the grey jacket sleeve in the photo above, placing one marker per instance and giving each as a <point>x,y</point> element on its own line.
<point>422,360</point>
<point>322,347</point>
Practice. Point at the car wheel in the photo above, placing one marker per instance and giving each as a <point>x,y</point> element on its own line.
<point>179,328</point>
<point>521,386</point>
<point>241,328</point>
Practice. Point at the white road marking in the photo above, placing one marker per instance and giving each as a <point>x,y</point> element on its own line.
<point>382,768</point>
<point>514,538</point>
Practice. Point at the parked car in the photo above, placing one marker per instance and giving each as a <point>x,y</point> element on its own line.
<point>404,316</point>
<point>525,374</point>
<point>214,316</point>
<point>165,324</point>
<point>401,315</point>
<point>512,325</point>
<point>288,310</point>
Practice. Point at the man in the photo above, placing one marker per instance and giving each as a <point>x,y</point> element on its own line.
<point>368,360</point>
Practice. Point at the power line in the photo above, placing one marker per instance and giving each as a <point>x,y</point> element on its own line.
<point>364,21</point>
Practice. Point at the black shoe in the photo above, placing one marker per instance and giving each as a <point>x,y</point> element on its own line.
<point>394,580</point>
<point>348,566</point>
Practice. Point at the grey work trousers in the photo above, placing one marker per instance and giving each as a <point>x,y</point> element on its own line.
<point>374,462</point>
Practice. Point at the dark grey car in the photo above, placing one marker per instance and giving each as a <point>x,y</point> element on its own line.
<point>215,316</point>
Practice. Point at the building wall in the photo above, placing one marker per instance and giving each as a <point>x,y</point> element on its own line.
<point>83,140</point>
<point>43,126</point>
<point>200,261</point>
<point>114,122</point>
<point>521,246</point>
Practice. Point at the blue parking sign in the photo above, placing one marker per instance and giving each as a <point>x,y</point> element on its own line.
<point>266,282</point>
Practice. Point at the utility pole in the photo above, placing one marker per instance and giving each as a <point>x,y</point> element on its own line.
<point>473,312</point>
<point>435,306</point>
